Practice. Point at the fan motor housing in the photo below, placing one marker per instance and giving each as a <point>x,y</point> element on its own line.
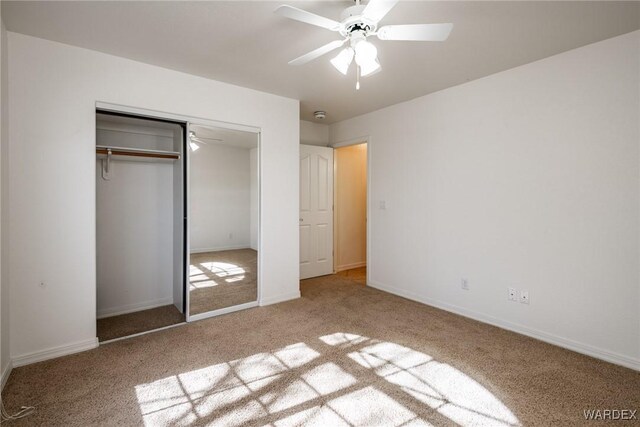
<point>352,20</point>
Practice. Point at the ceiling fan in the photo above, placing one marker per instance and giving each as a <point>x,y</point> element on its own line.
<point>356,24</point>
<point>194,140</point>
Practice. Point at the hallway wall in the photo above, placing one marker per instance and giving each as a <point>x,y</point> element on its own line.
<point>350,226</point>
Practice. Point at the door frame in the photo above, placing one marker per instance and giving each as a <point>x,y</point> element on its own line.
<point>346,143</point>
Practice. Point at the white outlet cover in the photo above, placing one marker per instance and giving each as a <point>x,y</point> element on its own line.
<point>524,297</point>
<point>513,294</point>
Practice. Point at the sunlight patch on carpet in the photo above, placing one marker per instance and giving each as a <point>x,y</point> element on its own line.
<point>353,381</point>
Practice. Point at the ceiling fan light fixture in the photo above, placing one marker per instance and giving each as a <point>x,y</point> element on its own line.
<point>370,67</point>
<point>343,60</point>
<point>356,24</point>
<point>365,53</point>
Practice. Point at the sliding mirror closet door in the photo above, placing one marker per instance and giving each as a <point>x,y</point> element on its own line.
<point>140,224</point>
<point>223,218</point>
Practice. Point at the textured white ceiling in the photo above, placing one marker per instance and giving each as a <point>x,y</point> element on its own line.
<point>245,43</point>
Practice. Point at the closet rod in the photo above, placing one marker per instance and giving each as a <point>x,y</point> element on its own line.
<point>137,153</point>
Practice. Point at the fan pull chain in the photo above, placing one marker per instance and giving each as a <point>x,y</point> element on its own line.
<point>357,77</point>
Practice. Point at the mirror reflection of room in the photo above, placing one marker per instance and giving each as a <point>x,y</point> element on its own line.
<point>223,218</point>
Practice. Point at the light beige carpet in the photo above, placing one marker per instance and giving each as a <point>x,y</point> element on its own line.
<point>343,354</point>
<point>140,321</point>
<point>222,279</point>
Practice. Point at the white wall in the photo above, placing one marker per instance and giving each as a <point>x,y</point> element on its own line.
<point>219,216</point>
<point>312,133</point>
<point>527,178</point>
<point>5,357</point>
<point>52,212</point>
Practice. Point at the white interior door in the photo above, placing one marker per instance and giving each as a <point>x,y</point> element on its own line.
<point>316,211</point>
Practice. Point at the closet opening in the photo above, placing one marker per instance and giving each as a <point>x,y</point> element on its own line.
<point>140,224</point>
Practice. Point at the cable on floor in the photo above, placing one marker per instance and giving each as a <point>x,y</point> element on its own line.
<point>23,412</point>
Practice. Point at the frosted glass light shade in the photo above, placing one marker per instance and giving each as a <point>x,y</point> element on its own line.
<point>343,60</point>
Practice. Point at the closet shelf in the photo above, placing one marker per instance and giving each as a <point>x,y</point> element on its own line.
<point>137,152</point>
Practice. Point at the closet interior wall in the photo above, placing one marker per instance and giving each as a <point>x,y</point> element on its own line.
<point>140,217</point>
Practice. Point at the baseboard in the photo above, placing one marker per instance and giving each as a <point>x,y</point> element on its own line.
<point>280,298</point>
<point>221,311</point>
<point>52,353</point>
<point>132,308</point>
<point>578,347</point>
<point>5,375</point>
<point>350,266</point>
<point>218,249</point>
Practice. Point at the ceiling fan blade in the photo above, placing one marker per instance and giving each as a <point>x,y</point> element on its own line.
<point>307,17</point>
<point>209,139</point>
<point>198,140</point>
<point>377,9</point>
<point>415,32</point>
<point>317,53</point>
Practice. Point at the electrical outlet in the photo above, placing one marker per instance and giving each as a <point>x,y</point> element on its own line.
<point>513,294</point>
<point>524,297</point>
<point>464,284</point>
<point>230,236</point>
<point>383,205</point>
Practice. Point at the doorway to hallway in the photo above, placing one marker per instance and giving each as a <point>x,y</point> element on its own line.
<point>350,207</point>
